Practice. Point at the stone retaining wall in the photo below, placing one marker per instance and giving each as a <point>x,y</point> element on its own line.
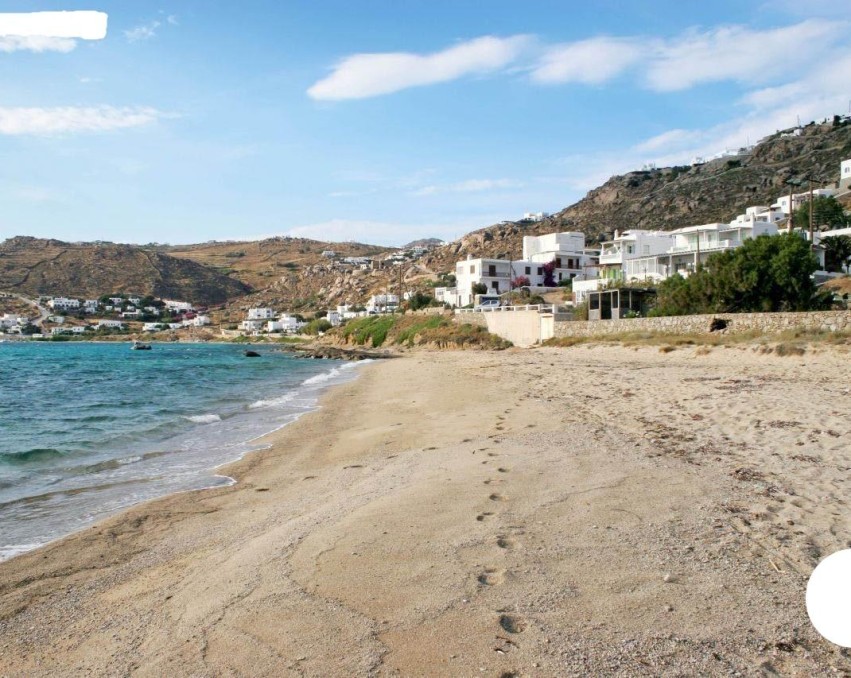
<point>769,323</point>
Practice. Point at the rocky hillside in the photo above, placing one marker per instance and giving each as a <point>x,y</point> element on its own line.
<point>261,263</point>
<point>32,267</point>
<point>673,197</point>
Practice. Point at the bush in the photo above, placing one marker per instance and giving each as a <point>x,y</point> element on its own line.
<point>768,273</point>
<point>317,326</point>
<point>479,288</point>
<point>373,330</point>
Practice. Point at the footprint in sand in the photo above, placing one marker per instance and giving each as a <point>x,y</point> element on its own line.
<point>492,454</point>
<point>504,542</point>
<point>491,577</point>
<point>492,481</point>
<point>483,516</point>
<point>503,470</point>
<point>512,624</point>
<point>497,497</point>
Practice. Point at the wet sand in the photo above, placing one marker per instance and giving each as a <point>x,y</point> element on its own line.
<point>543,512</point>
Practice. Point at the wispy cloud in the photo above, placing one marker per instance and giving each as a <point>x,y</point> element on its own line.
<point>740,54</point>
<point>368,75</point>
<point>142,31</point>
<point>468,186</point>
<point>591,61</point>
<point>35,43</point>
<point>71,119</point>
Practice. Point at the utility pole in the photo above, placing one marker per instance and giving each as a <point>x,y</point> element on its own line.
<point>399,303</point>
<point>697,262</point>
<point>812,244</point>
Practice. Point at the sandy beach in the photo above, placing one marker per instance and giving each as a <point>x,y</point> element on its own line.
<point>548,512</point>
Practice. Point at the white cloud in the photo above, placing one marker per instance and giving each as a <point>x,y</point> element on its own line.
<point>69,119</point>
<point>740,54</point>
<point>591,61</point>
<point>142,32</point>
<point>173,20</point>
<point>468,186</point>
<point>35,43</point>
<point>368,75</point>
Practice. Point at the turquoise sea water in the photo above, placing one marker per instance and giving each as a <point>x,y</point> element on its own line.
<point>89,429</point>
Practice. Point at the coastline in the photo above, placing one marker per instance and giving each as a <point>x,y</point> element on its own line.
<point>542,512</point>
<point>90,499</point>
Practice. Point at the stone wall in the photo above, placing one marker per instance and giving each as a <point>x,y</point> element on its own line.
<point>827,321</point>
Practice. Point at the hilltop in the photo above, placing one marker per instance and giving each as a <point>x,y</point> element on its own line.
<point>34,266</point>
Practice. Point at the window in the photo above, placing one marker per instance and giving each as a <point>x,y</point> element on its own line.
<point>540,270</point>
<point>495,285</point>
<point>528,270</point>
<point>473,270</point>
<point>558,262</point>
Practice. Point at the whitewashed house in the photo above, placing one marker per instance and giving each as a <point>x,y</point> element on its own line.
<point>260,314</point>
<point>113,324</point>
<point>567,250</point>
<point>798,199</point>
<point>286,323</point>
<point>63,304</point>
<point>178,306</point>
<point>152,327</point>
<point>335,318</point>
<point>628,245</point>
<point>382,303</point>
<point>201,321</point>
<point>90,306</point>
<point>252,326</point>
<point>694,244</point>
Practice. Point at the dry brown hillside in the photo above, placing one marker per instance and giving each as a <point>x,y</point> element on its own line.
<point>33,267</point>
<point>263,262</point>
<point>673,197</point>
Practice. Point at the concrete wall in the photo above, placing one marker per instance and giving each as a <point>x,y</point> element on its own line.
<point>828,321</point>
<point>521,328</point>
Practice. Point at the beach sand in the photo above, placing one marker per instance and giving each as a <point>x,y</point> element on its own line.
<point>547,512</point>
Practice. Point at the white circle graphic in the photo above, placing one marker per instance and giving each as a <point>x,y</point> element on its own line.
<point>829,598</point>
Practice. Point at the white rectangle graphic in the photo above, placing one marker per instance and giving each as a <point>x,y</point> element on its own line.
<point>85,25</point>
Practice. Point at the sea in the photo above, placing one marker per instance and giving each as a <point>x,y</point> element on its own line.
<point>88,429</point>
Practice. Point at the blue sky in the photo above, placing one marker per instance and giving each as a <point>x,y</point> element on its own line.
<point>386,121</point>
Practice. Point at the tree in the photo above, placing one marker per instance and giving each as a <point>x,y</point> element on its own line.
<point>768,273</point>
<point>827,211</point>
<point>837,252</point>
<point>479,288</point>
<point>520,281</point>
<point>549,274</point>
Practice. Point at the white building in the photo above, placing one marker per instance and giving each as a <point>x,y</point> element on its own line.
<point>12,320</point>
<point>90,305</point>
<point>335,318</point>
<point>200,321</point>
<point>252,326</point>
<point>694,244</point>
<point>115,324</point>
<point>260,314</point>
<point>80,329</point>
<point>63,304</point>
<point>628,245</point>
<point>179,306</point>
<point>845,174</point>
<point>566,250</point>
<point>382,303</point>
<point>446,295</point>
<point>799,199</point>
<point>286,323</point>
<point>535,216</point>
<point>152,327</point>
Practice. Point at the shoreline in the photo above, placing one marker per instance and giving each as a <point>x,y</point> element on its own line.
<point>538,512</point>
<point>212,477</point>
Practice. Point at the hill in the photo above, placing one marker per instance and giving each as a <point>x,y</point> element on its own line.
<point>33,266</point>
<point>259,263</point>
<point>672,197</point>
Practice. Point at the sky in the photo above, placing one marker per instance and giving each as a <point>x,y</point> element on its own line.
<point>386,121</point>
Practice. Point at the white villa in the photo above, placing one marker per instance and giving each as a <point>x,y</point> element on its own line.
<point>286,323</point>
<point>382,303</point>
<point>567,250</point>
<point>63,304</point>
<point>261,313</point>
<point>845,174</point>
<point>179,306</point>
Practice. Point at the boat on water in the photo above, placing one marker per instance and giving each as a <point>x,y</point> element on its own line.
<point>139,346</point>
